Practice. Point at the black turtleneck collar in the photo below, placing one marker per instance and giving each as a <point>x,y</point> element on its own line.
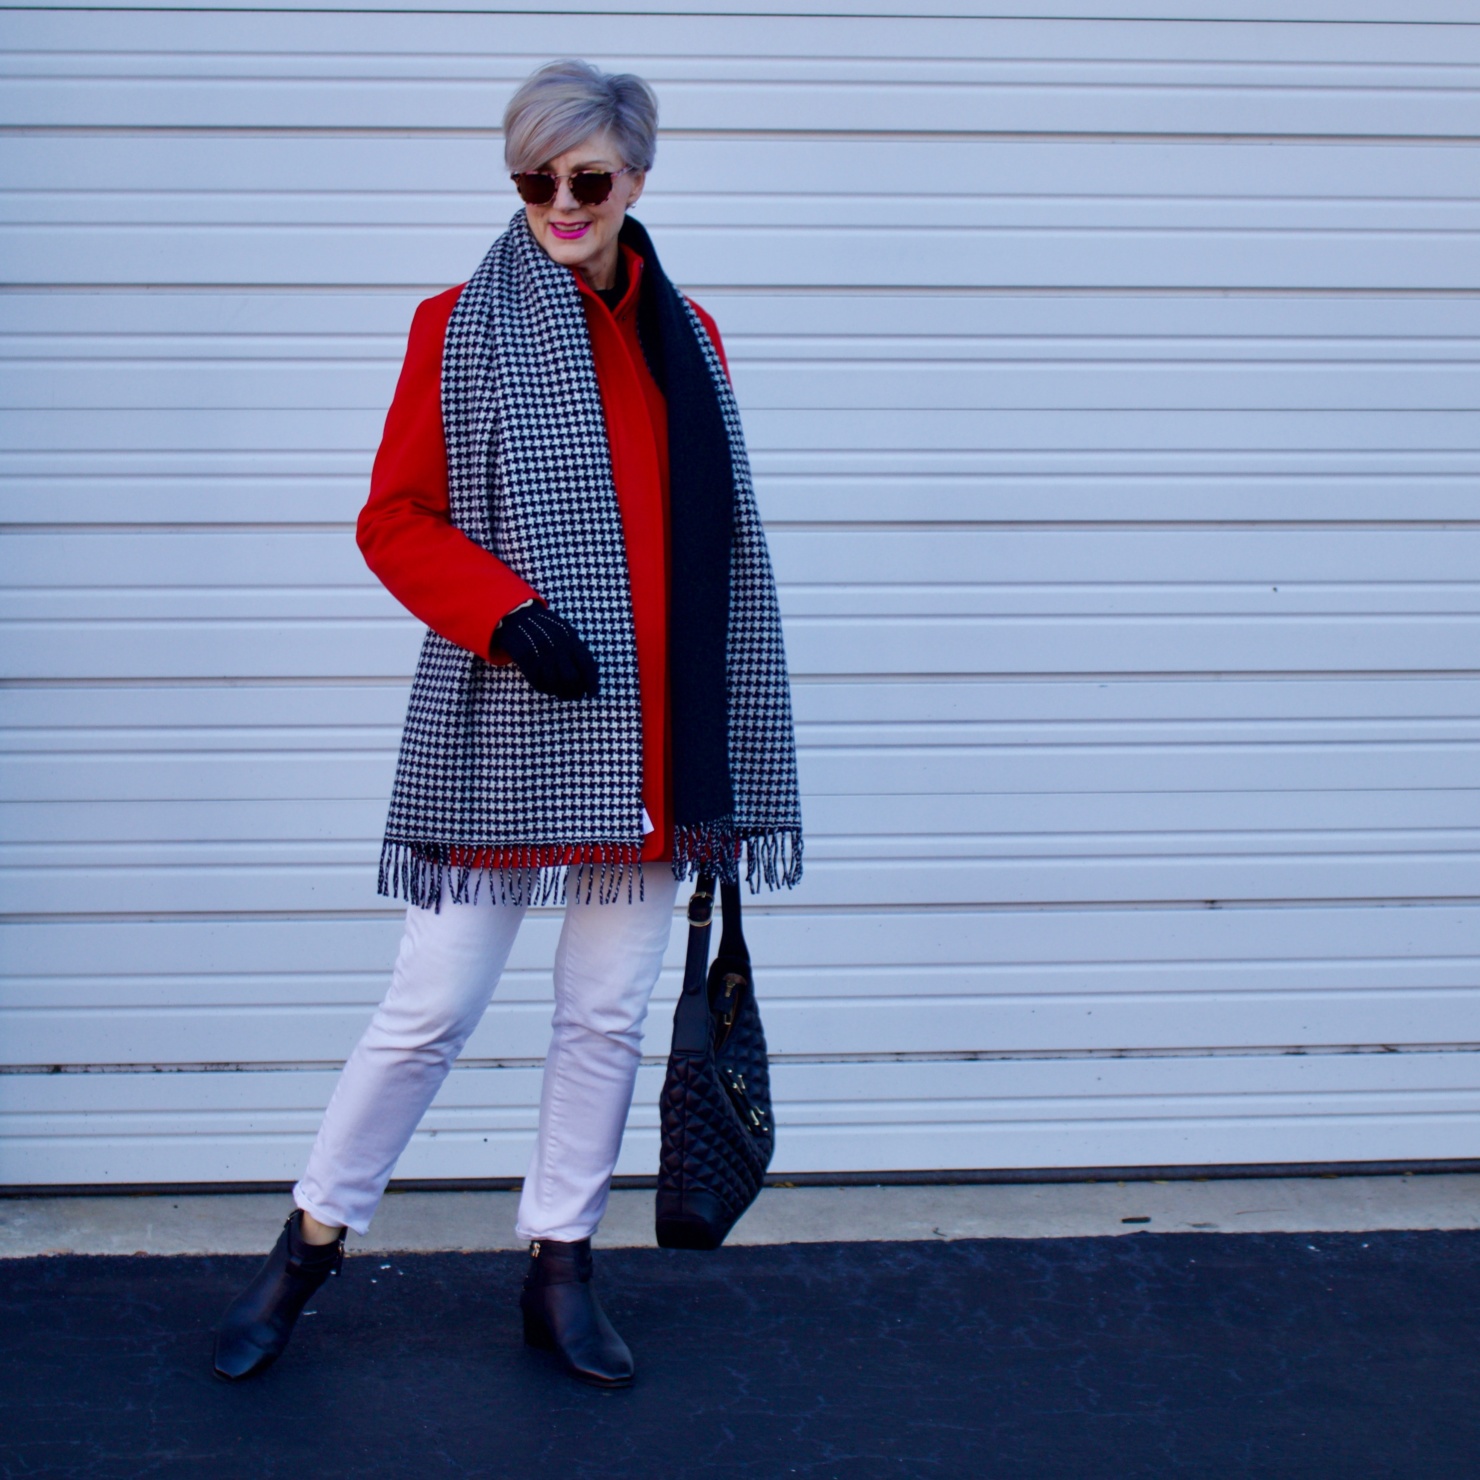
<point>614,295</point>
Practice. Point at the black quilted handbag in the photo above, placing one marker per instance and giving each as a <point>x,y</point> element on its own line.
<point>716,1104</point>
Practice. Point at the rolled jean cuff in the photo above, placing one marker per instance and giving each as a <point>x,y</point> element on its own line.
<point>571,1233</point>
<point>327,1215</point>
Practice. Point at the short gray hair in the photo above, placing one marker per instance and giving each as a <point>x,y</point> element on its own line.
<point>564,103</point>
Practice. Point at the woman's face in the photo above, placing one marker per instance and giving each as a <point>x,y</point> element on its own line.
<point>585,237</point>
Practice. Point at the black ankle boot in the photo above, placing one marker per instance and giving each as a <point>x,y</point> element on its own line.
<point>254,1332</point>
<point>563,1315</point>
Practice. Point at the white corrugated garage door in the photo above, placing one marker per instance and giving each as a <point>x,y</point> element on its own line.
<point>1112,389</point>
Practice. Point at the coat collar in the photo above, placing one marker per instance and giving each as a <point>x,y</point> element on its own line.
<point>628,305</point>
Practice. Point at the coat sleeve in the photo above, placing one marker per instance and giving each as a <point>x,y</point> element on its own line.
<point>405,531</point>
<point>712,329</point>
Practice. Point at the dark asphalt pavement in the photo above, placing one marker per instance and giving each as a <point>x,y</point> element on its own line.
<point>1260,1357</point>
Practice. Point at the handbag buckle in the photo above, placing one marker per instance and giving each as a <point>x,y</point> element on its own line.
<point>701,907</point>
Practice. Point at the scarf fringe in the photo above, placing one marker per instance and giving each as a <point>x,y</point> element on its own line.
<point>773,856</point>
<point>423,874</point>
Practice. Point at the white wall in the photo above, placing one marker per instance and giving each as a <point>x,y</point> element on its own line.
<point>1112,391</point>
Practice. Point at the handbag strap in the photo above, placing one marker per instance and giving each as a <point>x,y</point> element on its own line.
<point>691,1033</point>
<point>732,948</point>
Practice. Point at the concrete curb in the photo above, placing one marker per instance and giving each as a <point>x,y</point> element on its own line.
<point>425,1222</point>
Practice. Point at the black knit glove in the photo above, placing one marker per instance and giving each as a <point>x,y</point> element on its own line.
<point>548,652</point>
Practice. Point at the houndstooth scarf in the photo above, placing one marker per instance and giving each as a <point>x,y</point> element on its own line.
<point>496,779</point>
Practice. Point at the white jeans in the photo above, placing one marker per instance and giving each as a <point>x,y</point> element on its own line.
<point>449,963</point>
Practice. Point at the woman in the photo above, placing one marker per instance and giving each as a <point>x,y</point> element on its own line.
<point>601,705</point>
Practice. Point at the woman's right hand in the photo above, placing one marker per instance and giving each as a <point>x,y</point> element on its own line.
<point>548,651</point>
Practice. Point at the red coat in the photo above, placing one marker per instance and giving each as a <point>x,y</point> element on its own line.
<point>459,589</point>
